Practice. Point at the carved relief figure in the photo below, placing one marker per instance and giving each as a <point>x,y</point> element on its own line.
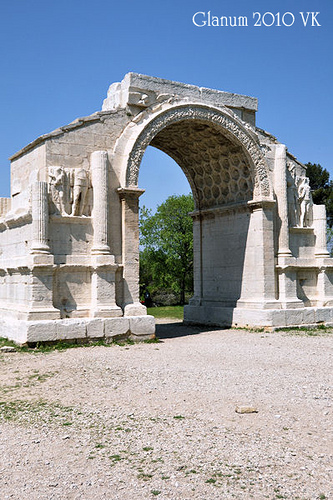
<point>58,189</point>
<point>292,193</point>
<point>80,186</point>
<point>70,191</point>
<point>305,201</point>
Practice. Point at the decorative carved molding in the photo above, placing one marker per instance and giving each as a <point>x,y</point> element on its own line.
<point>219,120</point>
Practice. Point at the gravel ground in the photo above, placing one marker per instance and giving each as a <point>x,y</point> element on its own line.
<point>158,420</point>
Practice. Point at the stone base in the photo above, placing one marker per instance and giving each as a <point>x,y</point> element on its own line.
<point>228,317</point>
<point>137,328</point>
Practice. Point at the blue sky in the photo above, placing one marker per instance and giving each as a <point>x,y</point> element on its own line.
<point>58,59</point>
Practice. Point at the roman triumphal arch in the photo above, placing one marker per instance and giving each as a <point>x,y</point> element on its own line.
<point>69,238</point>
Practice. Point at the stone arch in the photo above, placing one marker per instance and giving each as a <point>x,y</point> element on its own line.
<point>233,202</point>
<point>218,131</point>
<point>256,262</point>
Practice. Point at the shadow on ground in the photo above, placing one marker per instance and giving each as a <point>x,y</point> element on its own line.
<point>178,329</point>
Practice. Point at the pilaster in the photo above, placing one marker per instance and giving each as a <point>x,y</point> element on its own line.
<point>258,284</point>
<point>130,250</point>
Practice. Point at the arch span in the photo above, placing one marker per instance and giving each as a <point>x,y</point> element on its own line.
<point>228,174</point>
<point>208,130</point>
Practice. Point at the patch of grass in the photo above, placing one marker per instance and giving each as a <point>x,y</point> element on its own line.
<point>179,417</point>
<point>155,492</point>
<point>36,412</point>
<point>155,340</point>
<point>310,331</point>
<point>147,448</point>
<point>123,342</point>
<point>174,312</point>
<point>10,343</point>
<point>62,345</point>
<point>211,481</point>
<point>144,476</point>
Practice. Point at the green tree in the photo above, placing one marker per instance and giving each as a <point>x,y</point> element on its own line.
<point>321,188</point>
<point>166,241</point>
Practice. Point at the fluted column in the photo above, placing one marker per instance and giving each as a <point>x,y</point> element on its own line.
<point>40,304</point>
<point>319,226</point>
<point>99,174</point>
<point>280,185</point>
<point>40,219</point>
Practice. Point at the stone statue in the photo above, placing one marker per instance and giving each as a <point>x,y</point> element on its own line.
<point>58,188</point>
<point>292,193</point>
<point>304,200</point>
<point>80,186</point>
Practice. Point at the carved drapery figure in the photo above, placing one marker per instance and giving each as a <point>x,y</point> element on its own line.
<point>305,201</point>
<point>292,193</point>
<point>299,197</point>
<point>58,190</point>
<point>70,191</point>
<point>80,186</point>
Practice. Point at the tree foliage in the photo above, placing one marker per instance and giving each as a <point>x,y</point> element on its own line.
<point>166,241</point>
<point>321,188</point>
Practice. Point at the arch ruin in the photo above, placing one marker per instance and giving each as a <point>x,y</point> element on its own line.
<point>69,238</point>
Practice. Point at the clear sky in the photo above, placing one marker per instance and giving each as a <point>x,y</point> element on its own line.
<point>58,58</point>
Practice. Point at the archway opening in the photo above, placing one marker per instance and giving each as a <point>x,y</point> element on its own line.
<point>161,177</point>
<point>166,233</point>
<point>221,179</point>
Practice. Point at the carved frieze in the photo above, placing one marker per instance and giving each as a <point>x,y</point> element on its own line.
<point>70,191</point>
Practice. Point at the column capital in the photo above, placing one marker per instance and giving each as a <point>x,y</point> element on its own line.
<point>125,192</point>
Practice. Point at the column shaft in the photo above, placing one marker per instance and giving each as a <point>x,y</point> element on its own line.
<point>40,218</point>
<point>319,225</point>
<point>99,174</point>
<point>280,185</point>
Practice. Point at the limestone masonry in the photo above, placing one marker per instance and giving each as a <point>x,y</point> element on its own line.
<point>69,237</point>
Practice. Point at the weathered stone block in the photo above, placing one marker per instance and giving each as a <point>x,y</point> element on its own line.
<point>95,328</point>
<point>71,329</point>
<point>116,326</point>
<point>309,316</point>
<point>42,331</point>
<point>142,325</point>
<point>136,309</point>
<point>323,315</point>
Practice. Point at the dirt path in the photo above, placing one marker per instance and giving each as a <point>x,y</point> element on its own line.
<point>158,420</point>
